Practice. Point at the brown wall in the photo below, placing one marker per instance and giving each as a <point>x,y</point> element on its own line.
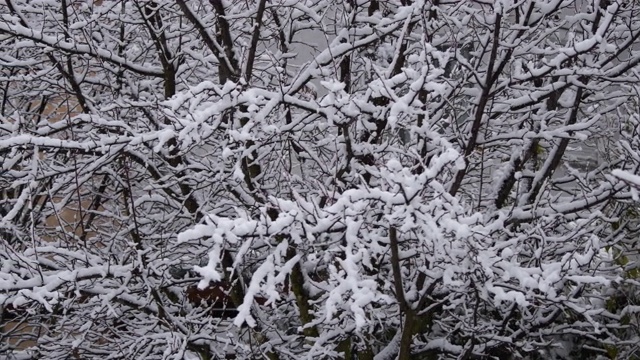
<point>66,221</point>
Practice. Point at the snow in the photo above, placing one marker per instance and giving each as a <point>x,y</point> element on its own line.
<point>626,176</point>
<point>102,220</point>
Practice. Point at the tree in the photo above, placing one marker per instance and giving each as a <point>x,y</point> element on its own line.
<point>343,179</point>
